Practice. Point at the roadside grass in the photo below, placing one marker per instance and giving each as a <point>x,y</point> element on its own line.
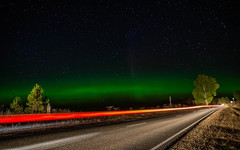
<point>225,143</point>
<point>236,110</point>
<point>221,131</point>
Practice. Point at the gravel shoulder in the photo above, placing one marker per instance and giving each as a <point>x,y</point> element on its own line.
<point>221,130</point>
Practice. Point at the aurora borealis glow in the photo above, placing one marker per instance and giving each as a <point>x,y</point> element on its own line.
<point>119,52</point>
<point>141,89</point>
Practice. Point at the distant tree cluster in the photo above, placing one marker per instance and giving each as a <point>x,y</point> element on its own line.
<point>236,94</point>
<point>205,89</point>
<point>223,100</point>
<point>35,102</point>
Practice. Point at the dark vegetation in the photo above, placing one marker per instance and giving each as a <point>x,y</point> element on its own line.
<point>219,131</point>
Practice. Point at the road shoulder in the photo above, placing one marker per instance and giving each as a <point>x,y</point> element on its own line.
<point>218,131</point>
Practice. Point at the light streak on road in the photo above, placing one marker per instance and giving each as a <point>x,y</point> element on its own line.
<point>61,116</point>
<point>56,143</point>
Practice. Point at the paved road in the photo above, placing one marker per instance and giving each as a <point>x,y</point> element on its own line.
<point>145,134</point>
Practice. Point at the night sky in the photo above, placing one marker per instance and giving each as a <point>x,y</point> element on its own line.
<point>105,51</point>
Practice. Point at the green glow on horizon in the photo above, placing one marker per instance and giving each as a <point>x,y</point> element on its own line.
<point>138,88</point>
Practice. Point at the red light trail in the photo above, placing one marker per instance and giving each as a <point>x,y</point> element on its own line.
<point>61,116</point>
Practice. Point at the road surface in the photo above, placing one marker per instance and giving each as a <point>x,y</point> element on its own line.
<point>147,134</point>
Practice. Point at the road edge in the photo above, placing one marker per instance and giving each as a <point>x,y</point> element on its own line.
<point>173,139</point>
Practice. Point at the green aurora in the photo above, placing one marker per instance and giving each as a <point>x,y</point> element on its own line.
<point>73,90</point>
<point>128,53</point>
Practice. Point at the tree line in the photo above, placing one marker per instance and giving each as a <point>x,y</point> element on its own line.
<point>36,103</point>
<point>203,93</point>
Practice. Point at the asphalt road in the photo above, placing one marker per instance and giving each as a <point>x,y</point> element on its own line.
<point>147,134</point>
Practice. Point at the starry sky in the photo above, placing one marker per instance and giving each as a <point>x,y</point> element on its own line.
<point>101,51</point>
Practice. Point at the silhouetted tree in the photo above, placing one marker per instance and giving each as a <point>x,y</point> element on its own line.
<point>16,105</point>
<point>45,103</point>
<point>205,89</point>
<point>215,101</point>
<point>236,94</point>
<point>223,100</point>
<point>35,100</point>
